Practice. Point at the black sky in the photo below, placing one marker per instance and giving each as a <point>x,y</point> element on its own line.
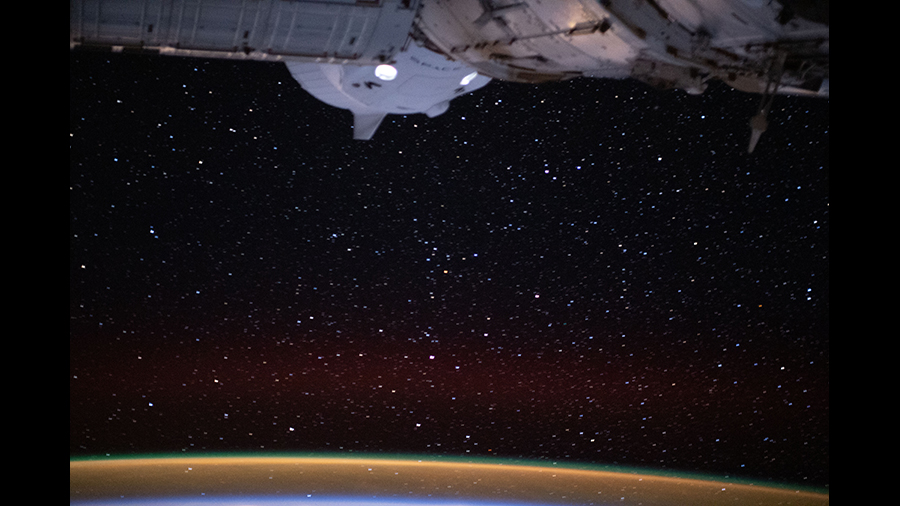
<point>591,271</point>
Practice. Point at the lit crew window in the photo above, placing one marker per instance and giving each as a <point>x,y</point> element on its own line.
<point>385,72</point>
<point>468,79</point>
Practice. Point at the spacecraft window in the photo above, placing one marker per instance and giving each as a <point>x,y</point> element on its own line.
<point>385,72</point>
<point>468,79</point>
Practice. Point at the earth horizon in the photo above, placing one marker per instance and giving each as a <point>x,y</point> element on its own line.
<point>260,480</point>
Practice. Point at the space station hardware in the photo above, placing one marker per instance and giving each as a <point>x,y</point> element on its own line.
<point>379,57</point>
